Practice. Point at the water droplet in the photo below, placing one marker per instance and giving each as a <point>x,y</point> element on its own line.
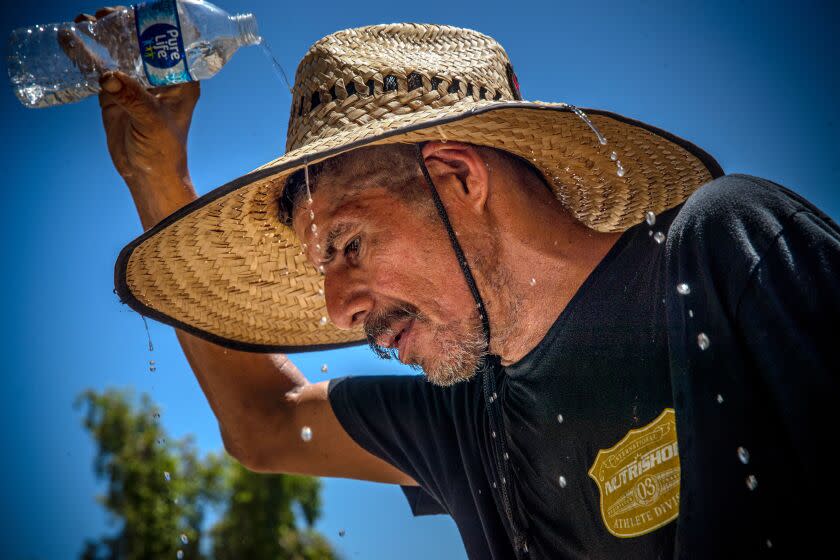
<point>690,313</point>
<point>324,368</point>
<point>306,177</point>
<point>321,268</point>
<point>659,237</point>
<point>533,281</point>
<point>506,456</point>
<point>166,476</point>
<point>650,232</point>
<point>494,485</point>
<point>619,169</point>
<point>179,554</point>
<point>320,291</point>
<point>323,321</point>
<point>493,434</point>
<point>306,434</point>
<point>318,247</point>
<point>148,334</point>
<point>582,116</point>
<point>683,289</point>
<point>562,481</point>
<point>560,418</point>
<point>312,214</point>
<point>650,218</point>
<point>304,247</point>
<point>29,31</point>
<point>314,228</point>
<point>769,543</point>
<point>184,539</point>
<point>152,369</point>
<point>703,341</point>
<point>743,455</point>
<point>613,156</point>
<point>341,532</point>
<point>752,482</point>
<point>719,399</point>
<point>495,396</point>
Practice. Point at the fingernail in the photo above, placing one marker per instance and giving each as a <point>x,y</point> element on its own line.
<point>111,83</point>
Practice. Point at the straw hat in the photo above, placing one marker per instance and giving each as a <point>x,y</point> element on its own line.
<point>225,268</point>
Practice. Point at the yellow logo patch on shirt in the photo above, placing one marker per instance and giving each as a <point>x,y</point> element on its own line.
<point>639,478</point>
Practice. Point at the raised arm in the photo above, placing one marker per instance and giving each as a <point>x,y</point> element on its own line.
<point>261,401</point>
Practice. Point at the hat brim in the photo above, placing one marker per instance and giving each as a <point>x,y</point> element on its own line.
<point>226,269</point>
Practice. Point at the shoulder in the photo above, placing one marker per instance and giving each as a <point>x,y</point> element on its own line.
<point>722,230</point>
<point>739,211</point>
<point>737,205</point>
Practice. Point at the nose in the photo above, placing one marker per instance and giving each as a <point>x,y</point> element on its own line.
<point>348,300</point>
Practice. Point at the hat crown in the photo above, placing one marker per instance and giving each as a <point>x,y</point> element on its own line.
<point>356,76</point>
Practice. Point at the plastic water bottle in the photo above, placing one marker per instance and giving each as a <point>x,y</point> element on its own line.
<point>159,43</point>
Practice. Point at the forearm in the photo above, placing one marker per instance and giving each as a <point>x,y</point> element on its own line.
<point>248,393</point>
<point>157,197</point>
<point>243,389</point>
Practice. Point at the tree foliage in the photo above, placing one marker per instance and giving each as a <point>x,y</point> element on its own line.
<point>160,491</point>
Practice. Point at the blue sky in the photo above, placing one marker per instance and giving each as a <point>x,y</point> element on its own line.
<point>754,83</point>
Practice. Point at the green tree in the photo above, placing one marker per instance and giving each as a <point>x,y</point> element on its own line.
<point>260,521</point>
<point>159,491</point>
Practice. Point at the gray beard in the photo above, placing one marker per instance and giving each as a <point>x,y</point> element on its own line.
<point>462,344</point>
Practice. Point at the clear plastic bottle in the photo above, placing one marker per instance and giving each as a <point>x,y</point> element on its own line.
<point>159,43</point>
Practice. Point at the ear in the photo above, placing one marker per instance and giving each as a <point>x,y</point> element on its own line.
<point>459,172</point>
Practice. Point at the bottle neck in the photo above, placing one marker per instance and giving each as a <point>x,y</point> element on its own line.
<point>246,27</point>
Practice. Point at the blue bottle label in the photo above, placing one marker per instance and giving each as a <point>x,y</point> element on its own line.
<point>161,42</point>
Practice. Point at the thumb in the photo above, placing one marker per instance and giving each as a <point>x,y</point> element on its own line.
<point>128,93</point>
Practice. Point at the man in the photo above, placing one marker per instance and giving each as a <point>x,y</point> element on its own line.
<point>615,371</point>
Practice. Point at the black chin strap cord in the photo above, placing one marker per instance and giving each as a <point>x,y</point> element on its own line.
<point>456,246</point>
<point>489,382</point>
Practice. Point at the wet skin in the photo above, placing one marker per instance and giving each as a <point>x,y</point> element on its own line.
<point>511,227</point>
<point>382,255</point>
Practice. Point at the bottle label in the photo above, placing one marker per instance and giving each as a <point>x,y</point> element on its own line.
<point>161,42</point>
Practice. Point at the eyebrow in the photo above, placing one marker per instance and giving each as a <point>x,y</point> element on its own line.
<point>336,231</point>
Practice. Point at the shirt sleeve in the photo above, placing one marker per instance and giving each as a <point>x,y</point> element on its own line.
<point>788,317</point>
<point>407,422</point>
<point>754,364</point>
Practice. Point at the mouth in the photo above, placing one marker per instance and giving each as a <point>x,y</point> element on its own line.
<point>390,332</point>
<point>399,339</point>
<point>402,342</point>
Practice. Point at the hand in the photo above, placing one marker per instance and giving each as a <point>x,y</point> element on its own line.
<point>146,129</point>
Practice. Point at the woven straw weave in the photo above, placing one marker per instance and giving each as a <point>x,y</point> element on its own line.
<point>225,268</point>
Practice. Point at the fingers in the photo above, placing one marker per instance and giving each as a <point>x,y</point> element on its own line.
<point>101,13</point>
<point>180,96</point>
<point>76,50</point>
<point>130,95</point>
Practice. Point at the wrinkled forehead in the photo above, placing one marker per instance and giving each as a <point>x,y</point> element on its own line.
<point>335,200</point>
<point>354,179</point>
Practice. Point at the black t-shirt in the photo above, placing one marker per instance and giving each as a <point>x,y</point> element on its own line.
<point>721,333</point>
